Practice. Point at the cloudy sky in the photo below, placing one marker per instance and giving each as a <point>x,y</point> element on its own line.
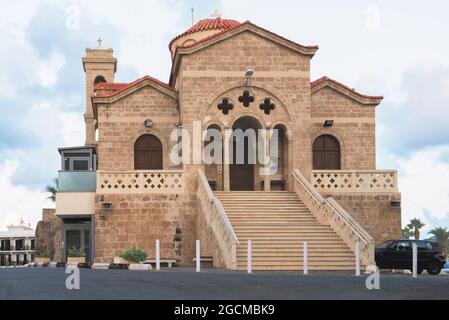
<point>395,48</point>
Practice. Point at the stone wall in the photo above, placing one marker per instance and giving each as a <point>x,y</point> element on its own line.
<point>48,234</point>
<point>139,219</point>
<point>121,123</point>
<point>374,213</point>
<point>354,127</point>
<point>280,73</point>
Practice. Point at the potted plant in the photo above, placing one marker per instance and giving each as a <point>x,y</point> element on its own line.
<point>76,255</point>
<point>42,257</point>
<point>136,257</point>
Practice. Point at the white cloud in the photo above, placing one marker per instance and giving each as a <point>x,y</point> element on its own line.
<point>143,28</point>
<point>49,69</point>
<point>423,182</point>
<point>18,202</point>
<point>16,15</point>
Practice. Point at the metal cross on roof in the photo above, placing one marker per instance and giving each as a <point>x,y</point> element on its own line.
<point>99,42</point>
<point>216,14</point>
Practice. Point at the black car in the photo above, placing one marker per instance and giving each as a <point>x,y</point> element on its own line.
<point>397,254</point>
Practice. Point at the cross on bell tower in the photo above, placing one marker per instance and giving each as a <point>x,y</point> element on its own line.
<point>99,65</point>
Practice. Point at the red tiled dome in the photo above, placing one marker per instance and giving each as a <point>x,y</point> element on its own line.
<point>209,24</point>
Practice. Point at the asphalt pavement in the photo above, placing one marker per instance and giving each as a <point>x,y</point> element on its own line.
<point>212,284</point>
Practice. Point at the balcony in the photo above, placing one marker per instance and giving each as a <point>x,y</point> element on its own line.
<point>154,181</point>
<point>77,181</point>
<point>355,181</point>
<point>76,194</point>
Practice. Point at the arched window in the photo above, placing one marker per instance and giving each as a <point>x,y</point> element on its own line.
<point>99,79</point>
<point>148,153</point>
<point>326,153</point>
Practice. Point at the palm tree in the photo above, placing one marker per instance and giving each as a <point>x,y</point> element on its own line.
<point>440,236</point>
<point>53,190</point>
<point>415,225</point>
<point>406,233</point>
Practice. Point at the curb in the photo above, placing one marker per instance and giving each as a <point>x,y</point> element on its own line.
<point>94,266</point>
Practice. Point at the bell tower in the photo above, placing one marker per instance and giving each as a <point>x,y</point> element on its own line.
<point>99,66</point>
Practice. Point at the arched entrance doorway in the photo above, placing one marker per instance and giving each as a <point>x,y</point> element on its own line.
<point>243,154</point>
<point>148,153</point>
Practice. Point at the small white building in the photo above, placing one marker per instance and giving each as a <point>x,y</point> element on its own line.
<point>17,245</point>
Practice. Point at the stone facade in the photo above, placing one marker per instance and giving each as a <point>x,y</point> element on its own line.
<point>375,213</point>
<point>137,220</point>
<point>209,67</point>
<point>354,127</point>
<point>121,123</point>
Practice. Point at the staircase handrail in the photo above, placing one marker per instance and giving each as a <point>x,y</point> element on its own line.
<point>215,215</point>
<point>329,211</point>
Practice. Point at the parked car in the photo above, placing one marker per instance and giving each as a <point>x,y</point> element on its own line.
<point>446,266</point>
<point>397,254</point>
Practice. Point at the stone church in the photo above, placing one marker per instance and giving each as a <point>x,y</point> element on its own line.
<point>122,189</point>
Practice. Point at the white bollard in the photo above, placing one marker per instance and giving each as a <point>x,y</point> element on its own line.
<point>250,261</point>
<point>198,262</point>
<point>357,259</point>
<point>306,261</point>
<point>158,255</point>
<point>415,259</point>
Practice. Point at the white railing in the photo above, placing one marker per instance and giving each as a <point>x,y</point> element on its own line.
<point>353,181</point>
<point>328,211</point>
<point>153,181</point>
<point>214,215</point>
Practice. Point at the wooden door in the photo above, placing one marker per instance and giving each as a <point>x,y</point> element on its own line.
<point>326,153</point>
<point>241,175</point>
<point>148,153</point>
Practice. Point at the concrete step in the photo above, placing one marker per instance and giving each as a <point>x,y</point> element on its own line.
<point>276,262</point>
<point>297,268</point>
<point>278,223</point>
<point>256,227</point>
<point>325,256</point>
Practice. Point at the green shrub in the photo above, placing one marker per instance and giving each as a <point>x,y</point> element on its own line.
<point>43,254</point>
<point>75,252</point>
<point>134,255</point>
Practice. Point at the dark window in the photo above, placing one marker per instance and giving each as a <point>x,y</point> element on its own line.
<point>421,245</point>
<point>402,246</point>
<point>77,154</point>
<point>99,79</point>
<point>79,165</point>
<point>326,153</point>
<point>148,153</point>
<point>67,164</point>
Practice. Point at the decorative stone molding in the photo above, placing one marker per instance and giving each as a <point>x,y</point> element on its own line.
<point>155,181</point>
<point>355,181</point>
<point>263,88</point>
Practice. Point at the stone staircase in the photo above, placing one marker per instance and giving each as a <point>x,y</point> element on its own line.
<point>278,223</point>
